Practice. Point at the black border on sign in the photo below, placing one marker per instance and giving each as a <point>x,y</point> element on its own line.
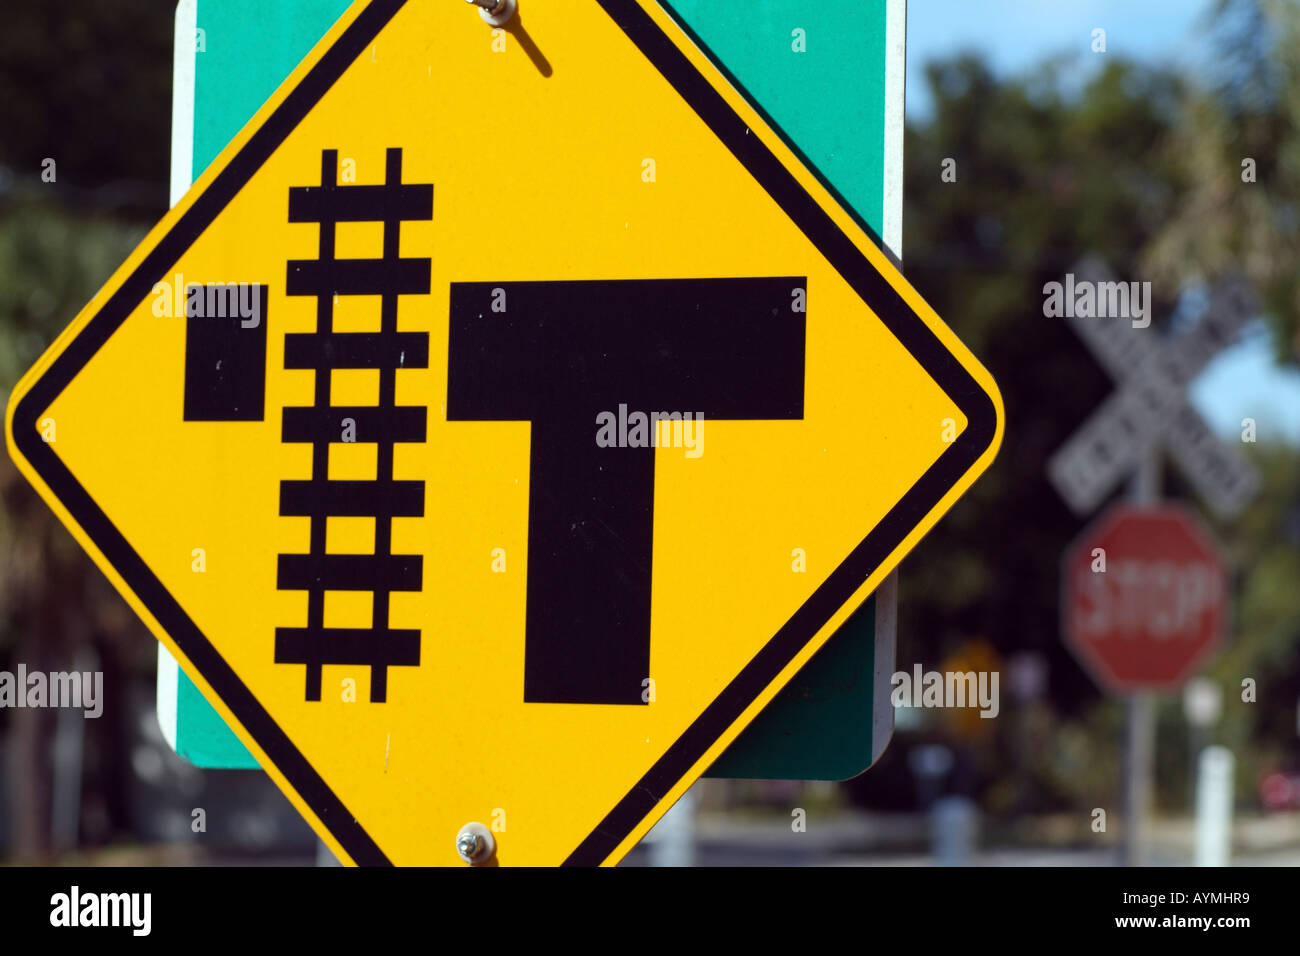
<point>793,636</point>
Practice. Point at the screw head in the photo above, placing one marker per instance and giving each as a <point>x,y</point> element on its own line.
<point>474,844</point>
<point>468,845</point>
<point>496,12</point>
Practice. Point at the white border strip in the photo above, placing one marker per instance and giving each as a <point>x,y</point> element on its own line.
<point>187,19</point>
<point>182,175</point>
<point>168,702</point>
<point>895,101</point>
<point>882,722</point>
<point>882,710</point>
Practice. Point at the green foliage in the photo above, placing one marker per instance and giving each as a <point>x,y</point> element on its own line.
<point>51,262</point>
<point>1041,182</point>
<point>88,83</point>
<point>1250,110</point>
<point>1043,179</point>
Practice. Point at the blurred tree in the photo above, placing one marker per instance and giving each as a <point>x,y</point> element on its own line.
<point>88,84</point>
<point>1043,178</point>
<point>1237,143</point>
<point>57,612</point>
<point>1041,182</point>
<point>1264,550</point>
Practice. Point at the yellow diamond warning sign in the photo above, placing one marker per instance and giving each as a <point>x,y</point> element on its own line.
<point>496,427</point>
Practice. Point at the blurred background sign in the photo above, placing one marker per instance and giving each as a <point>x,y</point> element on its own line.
<point>1150,409</point>
<point>840,109</point>
<point>1145,596</point>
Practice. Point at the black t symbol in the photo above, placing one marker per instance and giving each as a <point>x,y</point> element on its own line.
<point>559,355</point>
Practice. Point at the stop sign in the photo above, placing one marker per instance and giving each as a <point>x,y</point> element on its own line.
<point>1144,597</point>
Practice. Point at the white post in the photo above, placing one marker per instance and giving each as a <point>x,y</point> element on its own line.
<point>953,825</point>
<point>69,753</point>
<point>1214,807</point>
<point>673,842</point>
<point>1139,757</point>
<point>1202,704</point>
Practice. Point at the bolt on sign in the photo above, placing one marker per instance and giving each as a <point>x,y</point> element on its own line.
<point>499,459</point>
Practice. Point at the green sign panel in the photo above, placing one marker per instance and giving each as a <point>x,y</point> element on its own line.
<point>830,78</point>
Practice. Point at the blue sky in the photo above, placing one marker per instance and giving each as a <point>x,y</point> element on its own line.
<point>1017,35</point>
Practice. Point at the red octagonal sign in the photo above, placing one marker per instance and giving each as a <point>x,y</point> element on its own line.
<point>1144,597</point>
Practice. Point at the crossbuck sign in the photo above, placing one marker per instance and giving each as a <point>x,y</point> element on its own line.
<point>1150,407</point>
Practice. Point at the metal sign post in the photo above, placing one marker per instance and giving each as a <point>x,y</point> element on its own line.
<point>1147,416</point>
<point>1140,711</point>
